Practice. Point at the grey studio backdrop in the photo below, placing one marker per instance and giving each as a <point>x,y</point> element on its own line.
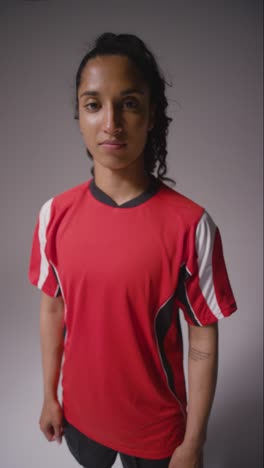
<point>211,51</point>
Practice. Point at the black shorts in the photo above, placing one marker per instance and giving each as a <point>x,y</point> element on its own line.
<point>91,454</point>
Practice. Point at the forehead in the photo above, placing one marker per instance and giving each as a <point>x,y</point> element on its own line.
<point>106,73</point>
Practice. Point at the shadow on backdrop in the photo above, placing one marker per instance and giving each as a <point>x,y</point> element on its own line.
<point>234,437</point>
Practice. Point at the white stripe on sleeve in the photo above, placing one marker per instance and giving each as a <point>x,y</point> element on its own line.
<point>205,236</point>
<point>44,218</point>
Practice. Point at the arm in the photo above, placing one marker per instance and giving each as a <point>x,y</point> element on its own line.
<point>52,345</point>
<point>202,377</point>
<point>51,337</point>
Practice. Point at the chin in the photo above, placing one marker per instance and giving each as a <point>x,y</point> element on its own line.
<point>115,164</point>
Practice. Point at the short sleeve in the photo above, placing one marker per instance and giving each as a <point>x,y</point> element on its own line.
<point>41,272</point>
<point>206,295</point>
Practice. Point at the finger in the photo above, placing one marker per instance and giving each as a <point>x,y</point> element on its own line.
<point>58,435</point>
<point>49,432</point>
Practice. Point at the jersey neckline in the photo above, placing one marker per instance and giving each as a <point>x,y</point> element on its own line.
<point>101,196</point>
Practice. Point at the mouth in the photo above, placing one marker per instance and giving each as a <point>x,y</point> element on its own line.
<point>114,146</point>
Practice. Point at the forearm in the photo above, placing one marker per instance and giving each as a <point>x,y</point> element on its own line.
<point>202,377</point>
<point>52,345</point>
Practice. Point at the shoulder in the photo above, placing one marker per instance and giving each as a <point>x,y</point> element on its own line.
<point>60,203</point>
<point>178,204</point>
<point>63,200</point>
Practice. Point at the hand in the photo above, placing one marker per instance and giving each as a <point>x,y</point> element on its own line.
<point>185,457</point>
<point>50,421</point>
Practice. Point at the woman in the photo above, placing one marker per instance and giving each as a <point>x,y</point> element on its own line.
<point>116,258</point>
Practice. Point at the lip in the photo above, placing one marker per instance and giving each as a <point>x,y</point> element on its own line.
<point>113,145</point>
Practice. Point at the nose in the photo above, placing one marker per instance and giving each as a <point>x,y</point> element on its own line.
<point>112,119</point>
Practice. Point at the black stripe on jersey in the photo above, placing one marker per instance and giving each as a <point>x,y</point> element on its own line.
<point>58,292</point>
<point>178,325</point>
<point>162,324</point>
<point>181,294</point>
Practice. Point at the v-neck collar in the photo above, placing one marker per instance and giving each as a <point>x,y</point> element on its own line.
<point>100,195</point>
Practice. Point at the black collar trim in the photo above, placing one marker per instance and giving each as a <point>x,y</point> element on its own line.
<point>153,188</point>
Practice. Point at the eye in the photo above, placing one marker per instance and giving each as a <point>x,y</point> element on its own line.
<point>131,103</point>
<point>92,105</point>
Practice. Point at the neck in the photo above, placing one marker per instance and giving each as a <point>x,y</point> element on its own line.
<point>121,185</point>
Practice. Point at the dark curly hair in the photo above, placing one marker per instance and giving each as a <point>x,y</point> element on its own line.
<point>108,43</point>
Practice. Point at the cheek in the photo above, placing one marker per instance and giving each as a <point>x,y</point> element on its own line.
<point>88,125</point>
<point>138,125</point>
<point>144,120</point>
<point>140,130</point>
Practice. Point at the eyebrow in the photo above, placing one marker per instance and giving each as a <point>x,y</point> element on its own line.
<point>123,93</point>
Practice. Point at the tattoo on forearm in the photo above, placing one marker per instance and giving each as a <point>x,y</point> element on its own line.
<point>197,355</point>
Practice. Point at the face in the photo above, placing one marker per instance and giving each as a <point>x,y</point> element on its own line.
<point>114,107</point>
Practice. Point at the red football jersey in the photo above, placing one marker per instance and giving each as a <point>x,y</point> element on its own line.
<point>124,271</point>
